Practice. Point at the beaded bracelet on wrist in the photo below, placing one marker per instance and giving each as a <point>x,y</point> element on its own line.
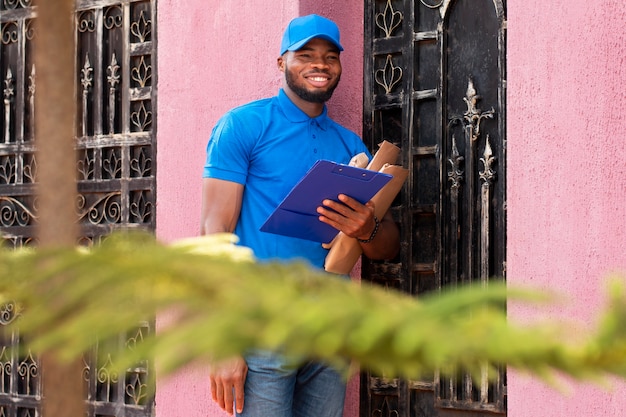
<point>376,226</point>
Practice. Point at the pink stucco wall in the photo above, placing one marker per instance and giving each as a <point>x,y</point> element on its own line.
<point>212,56</point>
<point>566,175</point>
<point>566,154</point>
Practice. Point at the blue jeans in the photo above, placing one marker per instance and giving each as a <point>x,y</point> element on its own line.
<point>276,389</point>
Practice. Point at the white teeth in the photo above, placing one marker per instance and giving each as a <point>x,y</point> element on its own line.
<point>319,79</point>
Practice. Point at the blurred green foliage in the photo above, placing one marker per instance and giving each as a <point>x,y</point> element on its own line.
<point>219,302</point>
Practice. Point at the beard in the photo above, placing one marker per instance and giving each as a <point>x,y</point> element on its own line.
<point>306,95</point>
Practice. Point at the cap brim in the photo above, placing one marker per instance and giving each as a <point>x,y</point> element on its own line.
<point>300,44</point>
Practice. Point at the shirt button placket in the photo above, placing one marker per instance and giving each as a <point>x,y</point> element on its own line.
<point>313,130</point>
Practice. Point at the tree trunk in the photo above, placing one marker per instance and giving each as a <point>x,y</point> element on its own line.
<point>57,226</point>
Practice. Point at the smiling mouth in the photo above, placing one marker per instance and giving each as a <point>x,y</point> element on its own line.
<point>319,81</point>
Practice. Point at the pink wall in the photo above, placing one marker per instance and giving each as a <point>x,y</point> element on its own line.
<point>566,153</point>
<point>214,55</point>
<point>566,174</point>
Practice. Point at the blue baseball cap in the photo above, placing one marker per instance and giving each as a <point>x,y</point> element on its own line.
<point>302,29</point>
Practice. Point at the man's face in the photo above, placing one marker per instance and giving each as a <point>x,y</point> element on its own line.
<point>313,71</point>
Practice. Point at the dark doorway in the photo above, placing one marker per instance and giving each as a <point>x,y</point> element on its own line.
<point>435,82</point>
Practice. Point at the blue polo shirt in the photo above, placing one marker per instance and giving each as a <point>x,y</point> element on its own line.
<point>268,145</point>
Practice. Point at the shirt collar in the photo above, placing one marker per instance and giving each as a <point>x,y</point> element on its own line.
<point>294,114</point>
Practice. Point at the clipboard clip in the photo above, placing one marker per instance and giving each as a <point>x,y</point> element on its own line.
<point>359,175</point>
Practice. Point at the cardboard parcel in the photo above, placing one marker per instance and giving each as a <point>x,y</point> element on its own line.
<point>344,250</point>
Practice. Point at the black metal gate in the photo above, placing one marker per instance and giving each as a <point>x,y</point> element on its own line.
<point>435,82</point>
<point>115,75</point>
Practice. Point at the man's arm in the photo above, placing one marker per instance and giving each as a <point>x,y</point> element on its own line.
<point>357,220</point>
<point>385,244</point>
<point>221,205</point>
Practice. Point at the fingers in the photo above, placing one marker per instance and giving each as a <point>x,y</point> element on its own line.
<point>217,393</point>
<point>228,399</point>
<point>222,394</point>
<point>239,398</point>
<point>346,205</point>
<point>347,215</point>
<point>213,388</point>
<point>227,384</point>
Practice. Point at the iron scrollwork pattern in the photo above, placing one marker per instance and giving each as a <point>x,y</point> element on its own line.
<point>475,213</point>
<point>15,4</point>
<point>116,116</point>
<point>462,388</point>
<point>18,165</point>
<point>20,370</point>
<point>115,166</point>
<point>389,19</point>
<point>388,76</point>
<point>425,62</point>
<point>109,391</point>
<point>20,390</point>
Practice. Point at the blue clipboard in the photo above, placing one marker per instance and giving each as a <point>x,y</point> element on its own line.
<point>297,216</point>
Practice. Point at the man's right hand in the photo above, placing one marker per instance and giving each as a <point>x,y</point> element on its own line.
<point>228,378</point>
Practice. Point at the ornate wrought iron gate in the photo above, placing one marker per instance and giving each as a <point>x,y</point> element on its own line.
<point>435,86</point>
<point>116,102</point>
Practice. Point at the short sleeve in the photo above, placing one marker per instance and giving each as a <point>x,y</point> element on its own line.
<point>228,150</point>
